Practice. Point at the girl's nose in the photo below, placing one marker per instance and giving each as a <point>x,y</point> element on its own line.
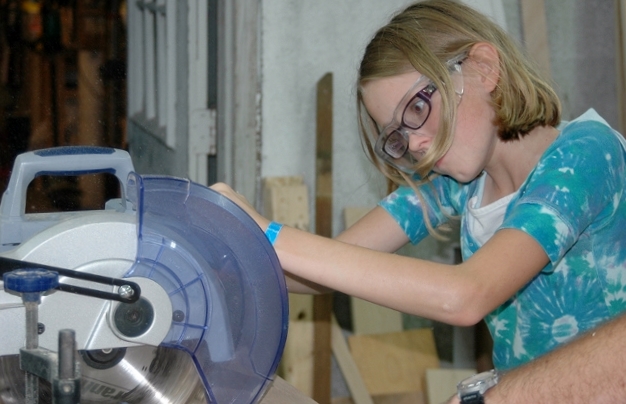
<point>418,142</point>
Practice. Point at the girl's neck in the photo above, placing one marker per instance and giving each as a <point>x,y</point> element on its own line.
<point>512,162</point>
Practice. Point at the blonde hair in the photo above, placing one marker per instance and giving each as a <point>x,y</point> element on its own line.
<point>423,37</point>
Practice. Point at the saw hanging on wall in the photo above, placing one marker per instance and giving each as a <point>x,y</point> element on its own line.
<point>211,320</point>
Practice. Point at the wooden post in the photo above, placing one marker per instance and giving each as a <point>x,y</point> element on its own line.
<point>322,304</point>
<point>535,31</point>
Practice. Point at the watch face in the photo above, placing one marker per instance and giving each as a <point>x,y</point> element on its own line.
<point>477,385</point>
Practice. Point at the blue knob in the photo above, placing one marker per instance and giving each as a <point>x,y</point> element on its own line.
<point>30,280</point>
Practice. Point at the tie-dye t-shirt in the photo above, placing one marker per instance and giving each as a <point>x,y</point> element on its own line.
<point>574,204</point>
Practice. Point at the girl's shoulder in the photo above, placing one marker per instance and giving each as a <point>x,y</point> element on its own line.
<point>588,131</point>
<point>585,141</point>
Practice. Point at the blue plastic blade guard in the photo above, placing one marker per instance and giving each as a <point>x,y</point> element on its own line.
<point>224,280</point>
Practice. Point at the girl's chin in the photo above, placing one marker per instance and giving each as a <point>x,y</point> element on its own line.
<point>438,167</point>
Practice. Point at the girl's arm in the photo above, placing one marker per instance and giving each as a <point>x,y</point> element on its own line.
<point>387,237</point>
<point>455,294</point>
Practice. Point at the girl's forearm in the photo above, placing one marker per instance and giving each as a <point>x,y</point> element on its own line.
<point>410,285</point>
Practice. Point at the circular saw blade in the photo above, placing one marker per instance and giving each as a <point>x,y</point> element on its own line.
<point>144,375</point>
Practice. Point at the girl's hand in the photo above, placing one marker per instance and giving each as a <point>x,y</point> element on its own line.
<point>243,203</point>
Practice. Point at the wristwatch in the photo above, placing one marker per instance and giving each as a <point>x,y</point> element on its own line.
<point>472,389</point>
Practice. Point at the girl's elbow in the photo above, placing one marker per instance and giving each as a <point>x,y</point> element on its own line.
<point>465,318</point>
<point>463,309</point>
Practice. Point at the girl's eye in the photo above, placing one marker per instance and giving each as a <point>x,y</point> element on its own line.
<point>417,107</point>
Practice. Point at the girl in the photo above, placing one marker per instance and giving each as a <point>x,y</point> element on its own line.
<point>452,112</point>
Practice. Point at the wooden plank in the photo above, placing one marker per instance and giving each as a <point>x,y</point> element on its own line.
<point>348,366</point>
<point>322,351</point>
<point>296,365</point>
<point>322,304</point>
<point>441,383</point>
<point>414,397</point>
<point>352,214</point>
<point>535,31</point>
<point>370,318</point>
<point>285,200</point>
<point>281,392</point>
<point>395,363</point>
<point>324,157</point>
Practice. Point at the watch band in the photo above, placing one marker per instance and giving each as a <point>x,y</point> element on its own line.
<point>473,399</point>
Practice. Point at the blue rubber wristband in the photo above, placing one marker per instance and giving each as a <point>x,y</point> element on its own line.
<point>272,231</point>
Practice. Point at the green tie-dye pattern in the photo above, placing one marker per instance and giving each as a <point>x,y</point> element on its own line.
<point>573,205</point>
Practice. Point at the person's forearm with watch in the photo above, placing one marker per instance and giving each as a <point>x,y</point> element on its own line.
<point>591,369</point>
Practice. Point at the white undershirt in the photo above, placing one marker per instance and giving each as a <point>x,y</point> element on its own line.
<point>483,221</point>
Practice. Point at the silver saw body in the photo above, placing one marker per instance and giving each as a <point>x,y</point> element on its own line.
<point>214,307</point>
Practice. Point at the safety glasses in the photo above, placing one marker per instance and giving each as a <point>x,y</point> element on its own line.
<point>392,144</point>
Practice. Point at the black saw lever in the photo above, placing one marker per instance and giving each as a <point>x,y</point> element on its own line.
<point>129,291</point>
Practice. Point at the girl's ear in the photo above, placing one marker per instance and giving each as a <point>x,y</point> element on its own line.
<point>486,62</point>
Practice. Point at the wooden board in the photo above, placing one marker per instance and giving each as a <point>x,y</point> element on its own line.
<point>415,397</point>
<point>322,304</point>
<point>285,200</point>
<point>441,383</point>
<point>352,214</point>
<point>395,363</point>
<point>348,367</point>
<point>535,31</point>
<point>324,157</point>
<point>296,365</point>
<point>281,392</point>
<point>370,318</point>
<point>322,351</point>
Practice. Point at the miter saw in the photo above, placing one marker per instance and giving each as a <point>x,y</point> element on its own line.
<point>171,294</point>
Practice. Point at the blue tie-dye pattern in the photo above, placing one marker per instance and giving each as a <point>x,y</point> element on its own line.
<point>573,204</point>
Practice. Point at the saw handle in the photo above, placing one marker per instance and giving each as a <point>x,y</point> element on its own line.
<point>62,161</point>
